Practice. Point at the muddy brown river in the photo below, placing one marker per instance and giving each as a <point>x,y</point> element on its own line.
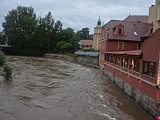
<point>49,89</point>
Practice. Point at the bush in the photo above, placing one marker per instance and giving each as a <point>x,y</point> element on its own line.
<point>2,58</point>
<point>7,72</point>
<point>63,47</point>
<point>89,49</point>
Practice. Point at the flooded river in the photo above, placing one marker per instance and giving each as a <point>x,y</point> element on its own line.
<point>48,89</point>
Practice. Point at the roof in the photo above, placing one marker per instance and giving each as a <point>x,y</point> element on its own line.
<point>87,53</point>
<point>87,42</point>
<point>137,18</point>
<point>133,52</point>
<point>130,28</point>
<point>5,46</point>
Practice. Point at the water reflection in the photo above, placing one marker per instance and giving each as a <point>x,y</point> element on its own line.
<point>46,89</point>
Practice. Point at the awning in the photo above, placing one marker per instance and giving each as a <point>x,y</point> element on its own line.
<point>133,52</point>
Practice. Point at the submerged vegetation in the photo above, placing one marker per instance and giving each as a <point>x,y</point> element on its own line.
<point>7,70</point>
<point>2,58</point>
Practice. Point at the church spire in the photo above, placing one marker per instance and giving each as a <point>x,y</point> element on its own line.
<point>99,22</point>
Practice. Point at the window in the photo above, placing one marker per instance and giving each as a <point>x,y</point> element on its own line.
<point>120,45</point>
<point>149,68</point>
<point>114,29</point>
<point>109,58</point>
<point>117,61</point>
<point>120,31</point>
<point>135,33</point>
<point>125,62</point>
<point>135,65</point>
<point>151,30</point>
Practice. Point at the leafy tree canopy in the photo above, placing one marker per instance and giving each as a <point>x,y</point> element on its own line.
<point>63,47</point>
<point>35,36</point>
<point>84,33</point>
<point>29,35</point>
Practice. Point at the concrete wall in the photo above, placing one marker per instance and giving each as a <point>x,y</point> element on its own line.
<point>84,60</point>
<point>151,106</point>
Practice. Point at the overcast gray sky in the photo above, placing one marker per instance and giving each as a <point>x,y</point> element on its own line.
<point>78,14</point>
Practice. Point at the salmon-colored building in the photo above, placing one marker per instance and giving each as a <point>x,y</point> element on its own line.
<point>86,44</point>
<point>129,54</point>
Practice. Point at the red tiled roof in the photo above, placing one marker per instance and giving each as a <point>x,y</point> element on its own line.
<point>129,29</point>
<point>137,18</point>
<point>87,42</point>
<point>133,52</point>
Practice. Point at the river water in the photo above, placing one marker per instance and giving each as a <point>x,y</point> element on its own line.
<point>49,89</point>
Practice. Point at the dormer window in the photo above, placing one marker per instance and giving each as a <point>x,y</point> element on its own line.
<point>119,30</point>
<point>151,30</point>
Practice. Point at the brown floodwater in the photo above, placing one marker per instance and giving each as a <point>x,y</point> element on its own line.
<point>49,89</point>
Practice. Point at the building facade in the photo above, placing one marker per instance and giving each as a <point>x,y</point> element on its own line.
<point>86,44</point>
<point>129,54</point>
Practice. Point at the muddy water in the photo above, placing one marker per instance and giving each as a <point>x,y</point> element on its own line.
<point>45,89</point>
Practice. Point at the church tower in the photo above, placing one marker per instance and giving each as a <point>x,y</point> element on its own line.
<point>97,34</point>
<point>157,15</point>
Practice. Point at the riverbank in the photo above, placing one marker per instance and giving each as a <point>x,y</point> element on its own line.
<point>84,60</point>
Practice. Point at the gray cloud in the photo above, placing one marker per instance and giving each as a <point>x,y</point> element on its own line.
<point>79,13</point>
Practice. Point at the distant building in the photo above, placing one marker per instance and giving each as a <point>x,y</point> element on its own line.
<point>7,49</point>
<point>154,13</point>
<point>97,34</point>
<point>85,44</point>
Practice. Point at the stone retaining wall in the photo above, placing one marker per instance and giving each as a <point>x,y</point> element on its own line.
<point>150,105</point>
<point>84,60</point>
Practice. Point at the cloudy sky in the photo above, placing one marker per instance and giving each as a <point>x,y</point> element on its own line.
<point>79,14</point>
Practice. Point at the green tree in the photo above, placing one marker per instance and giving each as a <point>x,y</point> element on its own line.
<point>19,28</point>
<point>71,37</point>
<point>63,47</point>
<point>29,35</point>
<point>58,26</point>
<point>84,33</point>
<point>7,72</point>
<point>2,38</point>
<point>47,33</point>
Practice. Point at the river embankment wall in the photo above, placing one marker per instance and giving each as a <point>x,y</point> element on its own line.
<point>84,60</point>
<point>149,104</point>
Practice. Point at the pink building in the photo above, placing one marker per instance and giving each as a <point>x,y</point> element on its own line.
<point>130,55</point>
<point>86,43</point>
